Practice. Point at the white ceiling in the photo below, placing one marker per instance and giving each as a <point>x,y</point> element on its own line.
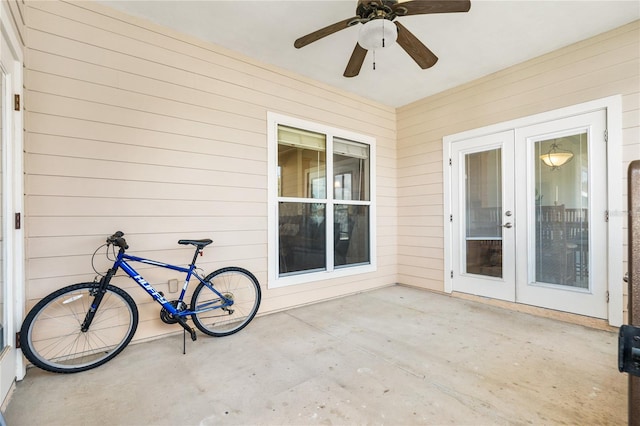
<point>493,35</point>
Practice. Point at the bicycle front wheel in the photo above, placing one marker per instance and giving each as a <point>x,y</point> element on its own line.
<point>51,337</point>
<point>236,284</point>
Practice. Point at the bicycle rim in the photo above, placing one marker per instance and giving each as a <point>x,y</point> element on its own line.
<point>236,284</point>
<point>54,340</point>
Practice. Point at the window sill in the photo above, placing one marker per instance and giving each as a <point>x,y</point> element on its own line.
<point>303,278</point>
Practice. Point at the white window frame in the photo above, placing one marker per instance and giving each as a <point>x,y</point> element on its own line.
<point>276,281</point>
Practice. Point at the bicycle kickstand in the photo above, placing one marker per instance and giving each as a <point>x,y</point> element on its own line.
<point>186,327</point>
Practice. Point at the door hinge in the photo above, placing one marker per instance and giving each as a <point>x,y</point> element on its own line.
<point>606,135</point>
<point>607,296</point>
<point>606,215</point>
<point>452,273</point>
<point>450,218</point>
<point>16,102</point>
<point>18,221</point>
<point>450,162</point>
<point>18,340</point>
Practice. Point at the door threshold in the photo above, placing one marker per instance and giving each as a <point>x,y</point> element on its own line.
<point>596,323</point>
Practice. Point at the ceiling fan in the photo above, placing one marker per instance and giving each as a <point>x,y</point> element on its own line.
<point>378,13</point>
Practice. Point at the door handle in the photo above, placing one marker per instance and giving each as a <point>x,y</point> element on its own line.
<point>507,225</point>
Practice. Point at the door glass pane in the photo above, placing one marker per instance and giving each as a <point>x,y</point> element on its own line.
<point>561,211</point>
<point>483,208</point>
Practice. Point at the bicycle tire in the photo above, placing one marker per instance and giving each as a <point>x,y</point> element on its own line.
<point>237,283</point>
<point>52,340</point>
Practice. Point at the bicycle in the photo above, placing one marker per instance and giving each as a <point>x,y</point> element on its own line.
<point>82,326</point>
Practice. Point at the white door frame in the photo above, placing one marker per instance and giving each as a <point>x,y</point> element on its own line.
<point>13,202</point>
<point>615,206</point>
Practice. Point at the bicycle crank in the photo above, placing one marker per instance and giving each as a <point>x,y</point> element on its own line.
<point>167,317</point>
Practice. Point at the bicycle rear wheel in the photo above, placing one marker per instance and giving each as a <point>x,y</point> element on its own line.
<point>234,283</point>
<point>51,337</point>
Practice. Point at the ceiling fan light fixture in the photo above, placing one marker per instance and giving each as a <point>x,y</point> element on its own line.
<point>377,33</point>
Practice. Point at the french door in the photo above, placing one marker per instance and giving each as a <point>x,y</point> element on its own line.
<point>483,216</point>
<point>528,218</point>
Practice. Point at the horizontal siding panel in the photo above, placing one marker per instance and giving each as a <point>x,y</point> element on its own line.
<point>93,111</point>
<point>103,169</point>
<point>113,207</point>
<point>247,145</point>
<point>125,153</point>
<point>413,230</point>
<point>422,252</point>
<point>153,104</point>
<point>426,273</point>
<point>113,188</point>
<point>207,226</point>
<point>120,81</point>
<point>415,241</point>
<point>408,212</point>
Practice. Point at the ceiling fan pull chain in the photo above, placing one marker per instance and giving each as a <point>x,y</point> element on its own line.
<point>383,32</point>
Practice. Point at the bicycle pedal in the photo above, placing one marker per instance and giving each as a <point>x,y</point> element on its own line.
<point>192,332</point>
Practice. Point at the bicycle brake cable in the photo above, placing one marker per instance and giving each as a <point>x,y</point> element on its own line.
<point>93,265</point>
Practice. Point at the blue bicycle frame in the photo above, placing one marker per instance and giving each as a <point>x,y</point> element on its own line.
<point>156,295</point>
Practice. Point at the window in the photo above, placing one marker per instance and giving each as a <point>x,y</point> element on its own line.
<point>321,202</point>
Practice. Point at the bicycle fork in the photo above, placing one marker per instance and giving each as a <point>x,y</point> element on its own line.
<point>101,290</point>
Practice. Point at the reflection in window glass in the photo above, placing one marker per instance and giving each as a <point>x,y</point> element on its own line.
<point>351,235</point>
<point>302,229</point>
<point>350,170</point>
<point>301,163</point>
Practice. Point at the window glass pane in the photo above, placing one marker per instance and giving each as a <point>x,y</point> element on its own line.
<point>301,163</point>
<point>302,239</point>
<point>350,235</point>
<point>562,211</point>
<point>350,170</point>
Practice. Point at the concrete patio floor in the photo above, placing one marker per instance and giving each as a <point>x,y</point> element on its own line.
<point>397,355</point>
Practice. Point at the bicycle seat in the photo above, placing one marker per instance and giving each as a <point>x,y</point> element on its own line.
<point>197,243</point>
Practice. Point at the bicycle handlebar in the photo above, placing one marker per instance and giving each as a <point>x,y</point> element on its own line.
<point>116,239</point>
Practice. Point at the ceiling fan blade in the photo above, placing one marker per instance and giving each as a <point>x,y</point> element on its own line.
<point>421,7</point>
<point>356,61</point>
<point>414,47</point>
<point>323,32</point>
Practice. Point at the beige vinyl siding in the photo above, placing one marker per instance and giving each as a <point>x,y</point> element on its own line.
<point>605,65</point>
<point>133,127</point>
